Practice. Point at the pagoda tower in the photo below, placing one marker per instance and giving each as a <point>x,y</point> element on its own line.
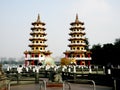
<point>38,52</point>
<point>78,46</point>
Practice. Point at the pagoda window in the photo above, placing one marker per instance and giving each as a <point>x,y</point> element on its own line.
<point>78,55</point>
<point>78,48</point>
<point>40,48</point>
<point>40,41</point>
<point>32,48</point>
<point>36,41</point>
<point>36,55</point>
<point>73,48</point>
<point>77,41</point>
<point>36,35</point>
<point>36,48</point>
<point>82,48</point>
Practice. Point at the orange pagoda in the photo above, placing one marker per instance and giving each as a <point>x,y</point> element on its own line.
<point>78,50</point>
<point>37,54</point>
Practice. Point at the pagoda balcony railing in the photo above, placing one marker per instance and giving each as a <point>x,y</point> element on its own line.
<point>78,26</point>
<point>35,58</point>
<point>42,32</point>
<point>77,38</point>
<point>83,58</point>
<point>31,58</point>
<point>37,31</point>
<point>77,44</point>
<point>38,44</point>
<point>37,38</point>
<point>77,32</point>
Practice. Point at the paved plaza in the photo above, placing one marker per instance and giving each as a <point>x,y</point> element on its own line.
<point>73,87</point>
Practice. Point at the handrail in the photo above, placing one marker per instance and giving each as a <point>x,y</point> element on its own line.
<point>9,83</point>
<point>80,80</point>
<point>44,83</point>
<point>64,83</point>
<point>115,83</point>
<point>63,88</point>
<point>69,85</point>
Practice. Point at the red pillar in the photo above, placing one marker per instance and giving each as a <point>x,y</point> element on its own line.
<point>33,59</point>
<point>32,55</point>
<point>89,55</point>
<point>26,55</point>
<point>88,63</point>
<point>80,55</point>
<point>33,62</point>
<point>81,62</point>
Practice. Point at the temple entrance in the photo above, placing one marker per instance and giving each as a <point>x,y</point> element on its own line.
<point>78,62</point>
<point>36,62</point>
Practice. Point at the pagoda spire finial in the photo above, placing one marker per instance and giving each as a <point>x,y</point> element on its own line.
<point>38,18</point>
<point>76,20</point>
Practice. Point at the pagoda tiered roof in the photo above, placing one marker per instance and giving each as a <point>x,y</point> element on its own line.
<point>72,33</point>
<point>38,52</point>
<point>37,45</point>
<point>77,44</point>
<point>36,28</point>
<point>81,28</point>
<point>76,52</point>
<point>37,38</point>
<point>38,21</point>
<point>77,21</point>
<point>38,33</point>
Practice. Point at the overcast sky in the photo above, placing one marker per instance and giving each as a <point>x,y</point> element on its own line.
<point>101,18</point>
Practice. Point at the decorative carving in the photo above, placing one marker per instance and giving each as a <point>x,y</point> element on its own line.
<point>58,78</point>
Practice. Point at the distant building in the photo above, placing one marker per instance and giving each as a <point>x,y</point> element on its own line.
<point>78,45</point>
<point>38,52</point>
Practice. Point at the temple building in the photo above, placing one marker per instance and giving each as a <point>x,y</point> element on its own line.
<point>78,46</point>
<point>37,53</point>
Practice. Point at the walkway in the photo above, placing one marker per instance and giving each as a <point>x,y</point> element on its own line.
<point>73,87</point>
